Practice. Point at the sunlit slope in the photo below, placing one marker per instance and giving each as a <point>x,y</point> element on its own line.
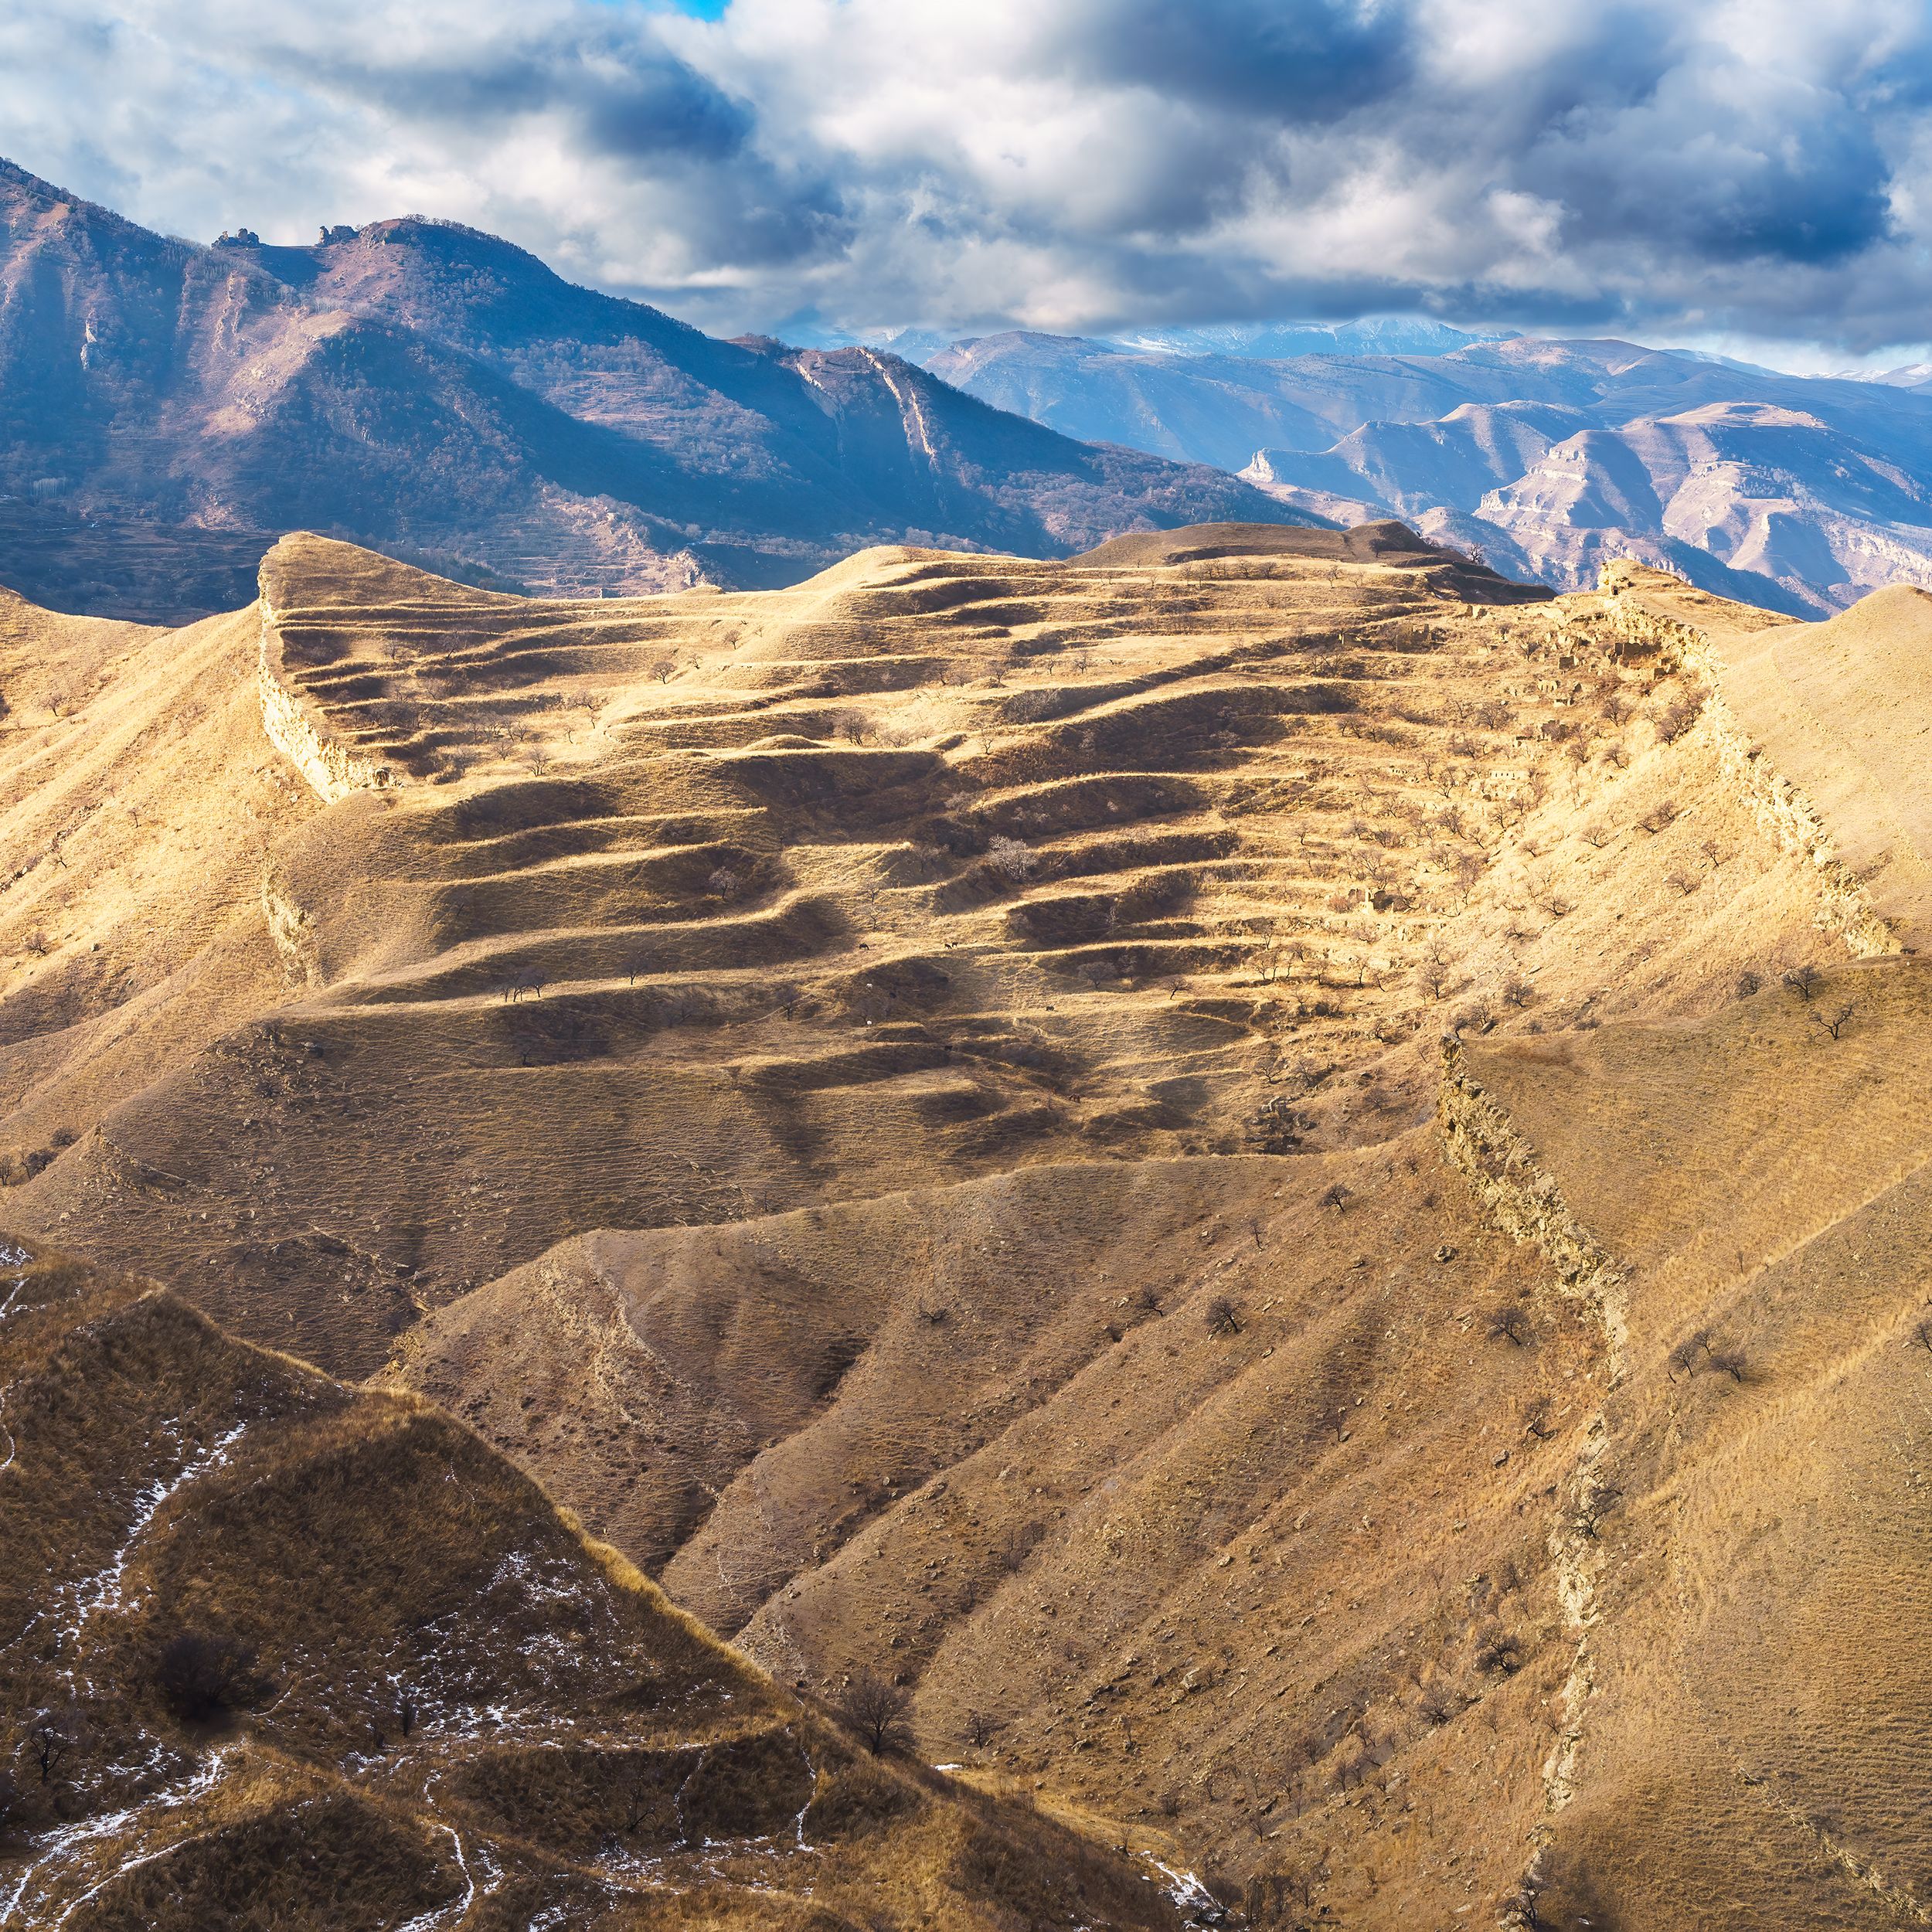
<point>445,1708</point>
<point>1761,1613</point>
<point>1845,709</point>
<point>910,1103</point>
<point>648,914</point>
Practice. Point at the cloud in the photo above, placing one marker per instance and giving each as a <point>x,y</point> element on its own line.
<point>1697,166</point>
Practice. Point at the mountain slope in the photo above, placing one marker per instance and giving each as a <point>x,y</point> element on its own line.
<point>917,1104</point>
<point>1551,457</point>
<point>438,391</point>
<point>274,1651</point>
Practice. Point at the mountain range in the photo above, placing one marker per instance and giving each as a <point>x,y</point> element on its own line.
<point>1551,457</point>
<point>166,410</point>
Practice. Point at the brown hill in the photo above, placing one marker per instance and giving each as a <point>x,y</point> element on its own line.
<point>273,1651</point>
<point>917,1104</point>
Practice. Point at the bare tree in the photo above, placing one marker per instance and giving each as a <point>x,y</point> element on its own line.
<point>1729,1361</point>
<point>1748,983</point>
<point>1683,1359</point>
<point>1222,1317</point>
<point>53,1737</point>
<point>980,1729</point>
<point>1012,857</point>
<point>1596,834</point>
<point>875,1710</point>
<point>1804,981</point>
<point>1337,1197</point>
<point>1595,1506</point>
<point>1434,973</point>
<point>1833,1020</point>
<point>1503,1650</point>
<point>1511,1324</point>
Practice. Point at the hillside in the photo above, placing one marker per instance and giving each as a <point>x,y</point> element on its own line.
<point>273,1651</point>
<point>1553,458</point>
<point>1141,1142</point>
<point>442,394</point>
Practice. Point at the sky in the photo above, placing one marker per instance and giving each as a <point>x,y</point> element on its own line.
<point>1753,176</point>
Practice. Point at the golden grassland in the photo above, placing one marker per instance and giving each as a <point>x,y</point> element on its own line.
<point>1203,1153</point>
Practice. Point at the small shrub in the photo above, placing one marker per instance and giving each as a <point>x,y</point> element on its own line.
<point>1013,858</point>
<point>202,1675</point>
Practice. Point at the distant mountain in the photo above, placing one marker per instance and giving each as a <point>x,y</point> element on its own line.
<point>1221,408</point>
<point>440,393</point>
<point>1797,493</point>
<point>1373,336</point>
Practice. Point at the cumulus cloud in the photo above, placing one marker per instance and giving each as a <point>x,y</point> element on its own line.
<point>1669,166</point>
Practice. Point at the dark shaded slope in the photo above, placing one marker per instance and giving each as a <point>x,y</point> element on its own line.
<point>413,1694</point>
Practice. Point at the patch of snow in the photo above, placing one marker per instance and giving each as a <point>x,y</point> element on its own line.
<point>103,1591</point>
<point>428,1921</point>
<point>67,1841</point>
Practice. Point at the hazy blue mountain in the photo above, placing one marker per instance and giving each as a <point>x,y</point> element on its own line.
<point>1801,493</point>
<point>1372,335</point>
<point>440,393</point>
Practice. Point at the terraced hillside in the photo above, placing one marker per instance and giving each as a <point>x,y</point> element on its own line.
<point>273,1651</point>
<point>912,1103</point>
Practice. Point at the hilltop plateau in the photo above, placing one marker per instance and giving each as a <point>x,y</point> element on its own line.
<point>1276,1171</point>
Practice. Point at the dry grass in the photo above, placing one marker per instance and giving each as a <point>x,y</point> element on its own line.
<point>816,1112</point>
<point>453,1690</point>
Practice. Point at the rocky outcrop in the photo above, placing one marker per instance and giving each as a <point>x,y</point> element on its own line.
<point>298,730</point>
